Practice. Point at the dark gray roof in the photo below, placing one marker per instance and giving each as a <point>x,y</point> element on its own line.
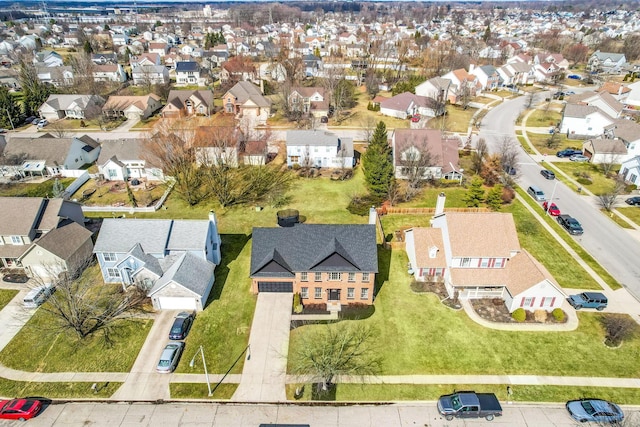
<point>580,111</point>
<point>64,241</point>
<point>189,271</point>
<point>122,149</point>
<point>187,66</point>
<point>179,97</point>
<point>279,252</point>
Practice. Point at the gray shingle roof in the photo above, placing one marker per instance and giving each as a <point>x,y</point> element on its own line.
<point>189,271</point>
<point>315,247</point>
<point>64,241</point>
<point>244,91</point>
<point>19,215</point>
<point>122,149</point>
<point>120,235</point>
<point>580,111</point>
<point>188,235</point>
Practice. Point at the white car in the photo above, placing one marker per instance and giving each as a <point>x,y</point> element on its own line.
<point>42,123</point>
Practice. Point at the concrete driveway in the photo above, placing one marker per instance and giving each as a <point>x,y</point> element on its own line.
<point>13,317</point>
<point>265,366</point>
<point>143,382</point>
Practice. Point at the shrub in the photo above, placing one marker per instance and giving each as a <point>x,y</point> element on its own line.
<point>360,205</point>
<point>584,181</point>
<point>540,316</point>
<point>519,315</point>
<point>508,195</point>
<point>297,303</point>
<point>629,188</point>
<point>558,314</point>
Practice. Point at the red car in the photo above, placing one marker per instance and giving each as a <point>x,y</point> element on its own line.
<point>552,208</point>
<point>19,409</point>
<point>415,118</point>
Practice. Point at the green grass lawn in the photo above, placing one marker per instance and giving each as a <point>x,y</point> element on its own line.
<point>600,183</point>
<point>23,189</point>
<point>40,348</point>
<point>360,116</point>
<point>201,391</point>
<point>146,123</point>
<point>539,140</point>
<point>104,196</point>
<point>6,295</point>
<point>633,213</point>
<point>456,120</point>
<point>542,118</point>
<point>56,390</point>
<point>394,222</point>
<point>419,335</point>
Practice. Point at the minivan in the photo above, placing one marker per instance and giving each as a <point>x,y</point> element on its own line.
<point>536,193</point>
<point>36,297</point>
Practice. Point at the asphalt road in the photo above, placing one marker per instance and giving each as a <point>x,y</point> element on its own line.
<point>612,246</point>
<point>415,414</point>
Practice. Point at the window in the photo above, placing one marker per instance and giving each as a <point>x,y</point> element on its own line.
<point>364,293</point>
<point>527,302</point>
<point>16,240</point>
<point>317,277</point>
<point>304,292</point>
<point>465,262</point>
<point>365,277</point>
<point>335,276</point>
<point>351,293</point>
<point>295,159</point>
<point>304,276</point>
<point>484,262</point>
<point>317,293</point>
<point>109,256</point>
<point>499,263</point>
<point>352,277</point>
<point>113,273</point>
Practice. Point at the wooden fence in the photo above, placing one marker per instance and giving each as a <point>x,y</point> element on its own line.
<point>424,211</point>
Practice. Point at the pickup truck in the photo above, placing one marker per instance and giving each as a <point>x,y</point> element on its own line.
<point>468,404</point>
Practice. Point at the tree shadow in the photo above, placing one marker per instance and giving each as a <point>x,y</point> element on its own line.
<point>384,264</point>
<point>327,395</point>
<point>232,245</point>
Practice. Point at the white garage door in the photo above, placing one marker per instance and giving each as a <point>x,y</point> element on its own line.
<point>177,303</point>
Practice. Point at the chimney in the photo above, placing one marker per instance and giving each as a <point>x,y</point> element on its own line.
<point>212,218</point>
<point>440,205</point>
<point>373,215</point>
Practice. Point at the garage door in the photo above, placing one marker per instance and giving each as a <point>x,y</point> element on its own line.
<point>177,303</point>
<point>275,286</point>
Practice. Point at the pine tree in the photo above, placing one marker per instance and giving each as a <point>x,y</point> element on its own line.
<point>487,34</point>
<point>9,109</point>
<point>494,198</point>
<point>475,193</point>
<point>87,47</point>
<point>377,162</point>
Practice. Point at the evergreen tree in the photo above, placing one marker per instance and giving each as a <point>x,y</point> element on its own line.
<point>475,193</point>
<point>87,47</point>
<point>487,34</point>
<point>494,198</point>
<point>378,163</point>
<point>9,109</point>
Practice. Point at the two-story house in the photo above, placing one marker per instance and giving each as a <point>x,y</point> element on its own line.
<point>309,100</point>
<point>188,74</point>
<point>149,74</point>
<point>318,148</point>
<point>43,236</point>
<point>109,73</point>
<point>326,264</point>
<point>487,263</point>
<point>246,101</point>
<point>184,103</point>
<point>173,260</point>
<point>425,154</point>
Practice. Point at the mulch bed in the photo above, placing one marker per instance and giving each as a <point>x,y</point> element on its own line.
<point>438,289</point>
<point>494,310</point>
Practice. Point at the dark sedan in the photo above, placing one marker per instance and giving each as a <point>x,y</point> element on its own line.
<point>568,152</point>
<point>181,326</point>
<point>633,201</point>
<point>570,224</point>
<point>548,174</point>
<point>595,410</point>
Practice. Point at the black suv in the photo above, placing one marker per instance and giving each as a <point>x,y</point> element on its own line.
<point>568,152</point>
<point>181,326</point>
<point>570,224</point>
<point>633,201</point>
<point>548,174</point>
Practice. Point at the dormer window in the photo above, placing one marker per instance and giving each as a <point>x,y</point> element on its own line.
<point>433,252</point>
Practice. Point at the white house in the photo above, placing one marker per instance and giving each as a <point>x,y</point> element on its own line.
<point>149,74</point>
<point>583,120</point>
<point>630,170</point>
<point>120,160</point>
<point>109,73</point>
<point>317,148</point>
<point>188,74</point>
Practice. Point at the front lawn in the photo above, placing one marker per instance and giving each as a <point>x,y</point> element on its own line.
<point>539,140</point>
<point>26,189</point>
<point>57,390</point>
<point>631,212</point>
<point>201,391</point>
<point>6,295</point>
<point>544,118</point>
<point>419,335</point>
<point>457,119</point>
<point>599,182</point>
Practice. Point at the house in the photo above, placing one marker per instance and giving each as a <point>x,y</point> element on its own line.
<point>48,58</point>
<point>630,170</point>
<point>71,106</point>
<point>181,103</point>
<point>145,59</point>
<point>132,107</point>
<point>55,76</point>
<point>463,85</point>
<point>149,74</point>
<point>601,150</point>
<point>487,75</point>
<point>628,132</point>
<point>425,153</point>
<point>218,145</point>
<point>47,155</point>
<point>109,73</point>
<point>516,73</point>
<point>254,153</point>
<point>104,58</point>
<point>326,264</point>
<point>617,90</point>
<point>407,104</point>
<point>309,100</point>
<point>173,260</point>
<point>318,148</point>
<point>437,89</point>
<point>603,100</point>
<point>583,121</point>
<point>158,48</point>
<point>245,100</point>
<point>607,62</point>
<point>121,160</point>
<point>43,236</point>
<point>188,74</point>
<point>633,98</point>
<point>120,39</point>
<point>488,263</point>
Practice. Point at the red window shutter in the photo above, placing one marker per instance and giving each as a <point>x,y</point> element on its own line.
<point>542,301</point>
<point>419,272</point>
<point>552,301</point>
<point>533,300</point>
<point>479,262</point>
<point>522,302</point>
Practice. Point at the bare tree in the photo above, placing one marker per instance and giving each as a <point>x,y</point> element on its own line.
<point>608,199</point>
<point>617,328</point>
<point>508,152</point>
<point>478,156</point>
<point>58,129</point>
<point>415,162</point>
<point>528,100</point>
<point>83,79</point>
<point>609,162</point>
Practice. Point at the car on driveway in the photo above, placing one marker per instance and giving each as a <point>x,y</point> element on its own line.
<point>570,224</point>
<point>579,158</point>
<point>551,208</point>
<point>35,120</point>
<point>170,357</point>
<point>42,123</point>
<point>29,120</point>
<point>594,410</point>
<point>20,409</point>
<point>548,174</point>
<point>181,326</point>
<point>415,118</point>
<point>568,152</point>
<point>633,201</point>
<point>595,300</point>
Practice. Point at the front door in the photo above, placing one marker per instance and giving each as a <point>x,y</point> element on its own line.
<point>334,294</point>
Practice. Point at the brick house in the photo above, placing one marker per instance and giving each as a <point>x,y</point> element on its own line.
<point>326,264</point>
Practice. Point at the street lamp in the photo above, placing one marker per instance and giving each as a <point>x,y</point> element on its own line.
<point>206,374</point>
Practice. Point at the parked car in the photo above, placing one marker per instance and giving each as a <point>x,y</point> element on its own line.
<point>42,123</point>
<point>20,409</point>
<point>324,119</point>
<point>570,92</point>
<point>468,404</point>
<point>170,357</point>
<point>574,77</point>
<point>37,296</point>
<point>548,174</point>
<point>595,300</point>
<point>415,118</point>
<point>633,201</point>
<point>570,224</point>
<point>551,208</point>
<point>181,326</point>
<point>568,152</point>
<point>3,130</point>
<point>596,410</point>
<point>29,120</point>
<point>35,120</point>
<point>536,193</point>
<point>579,158</point>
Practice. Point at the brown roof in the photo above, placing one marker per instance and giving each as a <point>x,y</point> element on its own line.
<point>614,88</point>
<point>19,215</point>
<point>105,68</point>
<point>119,103</point>
<point>608,146</point>
<point>64,241</point>
<point>487,234</point>
<point>424,239</point>
<point>444,152</point>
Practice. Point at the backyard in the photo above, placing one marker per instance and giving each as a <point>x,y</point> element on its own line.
<point>26,188</point>
<point>114,193</point>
